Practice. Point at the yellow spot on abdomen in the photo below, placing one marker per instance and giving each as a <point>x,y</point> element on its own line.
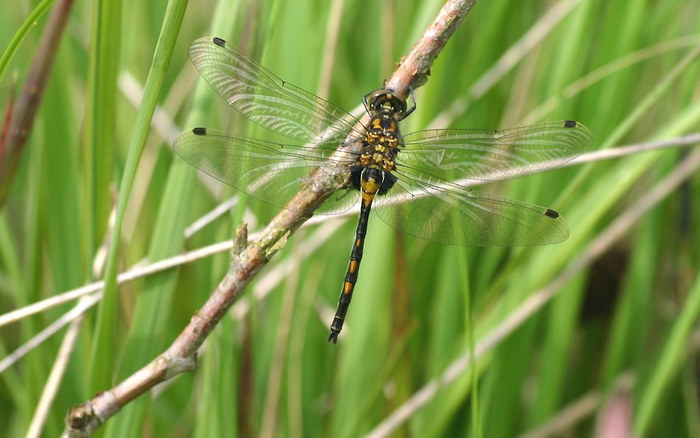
<point>347,288</point>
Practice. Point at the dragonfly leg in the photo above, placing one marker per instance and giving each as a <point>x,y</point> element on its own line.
<point>413,103</point>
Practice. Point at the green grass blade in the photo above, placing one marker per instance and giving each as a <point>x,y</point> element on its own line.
<point>672,356</point>
<point>21,33</point>
<point>101,113</point>
<point>105,337</point>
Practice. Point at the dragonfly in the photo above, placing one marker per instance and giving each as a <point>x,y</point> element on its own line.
<point>416,183</point>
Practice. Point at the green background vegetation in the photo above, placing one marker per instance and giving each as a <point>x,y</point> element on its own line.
<point>621,329</point>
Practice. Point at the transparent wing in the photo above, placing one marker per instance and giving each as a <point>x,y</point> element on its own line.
<point>268,171</point>
<point>266,99</point>
<point>491,155</point>
<point>450,214</point>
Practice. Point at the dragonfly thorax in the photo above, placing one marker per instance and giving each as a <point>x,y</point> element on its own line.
<point>382,140</point>
<point>381,146</point>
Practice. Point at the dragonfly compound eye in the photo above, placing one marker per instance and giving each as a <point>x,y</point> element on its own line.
<point>386,102</point>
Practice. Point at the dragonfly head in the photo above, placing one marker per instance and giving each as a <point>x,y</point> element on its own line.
<point>385,104</point>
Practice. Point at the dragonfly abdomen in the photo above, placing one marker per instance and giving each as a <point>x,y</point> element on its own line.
<point>371,182</point>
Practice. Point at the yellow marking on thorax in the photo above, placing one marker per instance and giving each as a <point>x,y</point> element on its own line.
<point>380,146</point>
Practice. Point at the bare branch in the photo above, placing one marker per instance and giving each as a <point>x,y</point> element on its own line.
<point>414,68</point>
